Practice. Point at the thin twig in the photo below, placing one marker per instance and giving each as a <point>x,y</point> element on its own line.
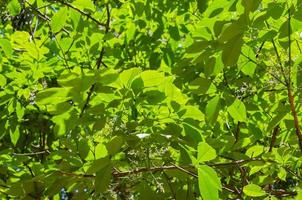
<point>81,12</point>
<point>98,63</point>
<point>274,136</point>
<point>31,154</point>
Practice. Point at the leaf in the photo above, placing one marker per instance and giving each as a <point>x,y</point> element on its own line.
<point>52,96</point>
<point>58,20</point>
<point>14,7</point>
<point>237,111</point>
<point>115,145</point>
<point>253,190</point>
<point>205,152</point>
<point>6,47</point>
<point>192,112</point>
<point>231,51</point>
<point>14,134</point>
<point>103,178</point>
<point>2,80</point>
<point>154,97</point>
<point>84,4</point>
<point>254,151</point>
<point>98,165</point>
<point>232,31</point>
<point>276,120</point>
<point>83,148</point>
<point>127,76</point>
<point>209,183</point>
<point>282,174</point>
<point>174,33</point>
<point>212,109</point>
<point>100,151</point>
<point>152,78</point>
<point>202,5</point>
<point>202,86</point>
<point>244,63</point>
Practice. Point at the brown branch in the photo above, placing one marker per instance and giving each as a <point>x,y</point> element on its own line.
<point>81,12</point>
<point>236,132</point>
<point>186,169</point>
<point>289,88</point>
<point>107,28</point>
<point>43,16</point>
<point>289,48</point>
<point>255,62</point>
<point>259,50</point>
<point>274,136</point>
<point>278,57</point>
<point>295,116</point>
<point>282,193</point>
<point>99,61</point>
<point>31,154</point>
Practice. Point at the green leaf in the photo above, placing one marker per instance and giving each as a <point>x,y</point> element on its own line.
<point>237,110</point>
<point>282,174</point>
<point>84,4</point>
<point>58,20</point>
<point>202,86</point>
<point>154,97</point>
<point>205,152</point>
<point>209,183</point>
<point>14,7</point>
<point>276,120</point>
<point>212,109</point>
<point>202,5</point>
<point>97,165</point>
<point>14,134</point>
<point>254,151</point>
<point>52,96</point>
<point>232,31</point>
<point>253,190</point>
<point>152,78</point>
<point>192,112</point>
<point>102,179</point>
<point>115,145</point>
<point>2,80</point>
<point>127,76</point>
<point>231,51</point>
<point>6,47</point>
<point>100,151</point>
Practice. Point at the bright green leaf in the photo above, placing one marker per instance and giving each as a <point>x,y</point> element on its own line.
<point>253,190</point>
<point>209,183</point>
<point>205,152</point>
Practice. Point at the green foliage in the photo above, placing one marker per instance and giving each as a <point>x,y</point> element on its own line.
<point>146,99</point>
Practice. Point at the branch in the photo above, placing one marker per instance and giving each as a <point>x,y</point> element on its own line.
<point>283,193</point>
<point>289,48</point>
<point>186,169</point>
<point>99,61</point>
<point>259,50</point>
<point>31,154</point>
<point>255,62</point>
<point>81,12</point>
<point>278,57</point>
<point>274,136</point>
<point>289,90</point>
<point>295,116</point>
<point>107,28</point>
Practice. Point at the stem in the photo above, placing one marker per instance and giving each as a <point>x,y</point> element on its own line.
<point>294,113</point>
<point>274,136</point>
<point>99,61</point>
<point>81,12</point>
<point>289,88</point>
